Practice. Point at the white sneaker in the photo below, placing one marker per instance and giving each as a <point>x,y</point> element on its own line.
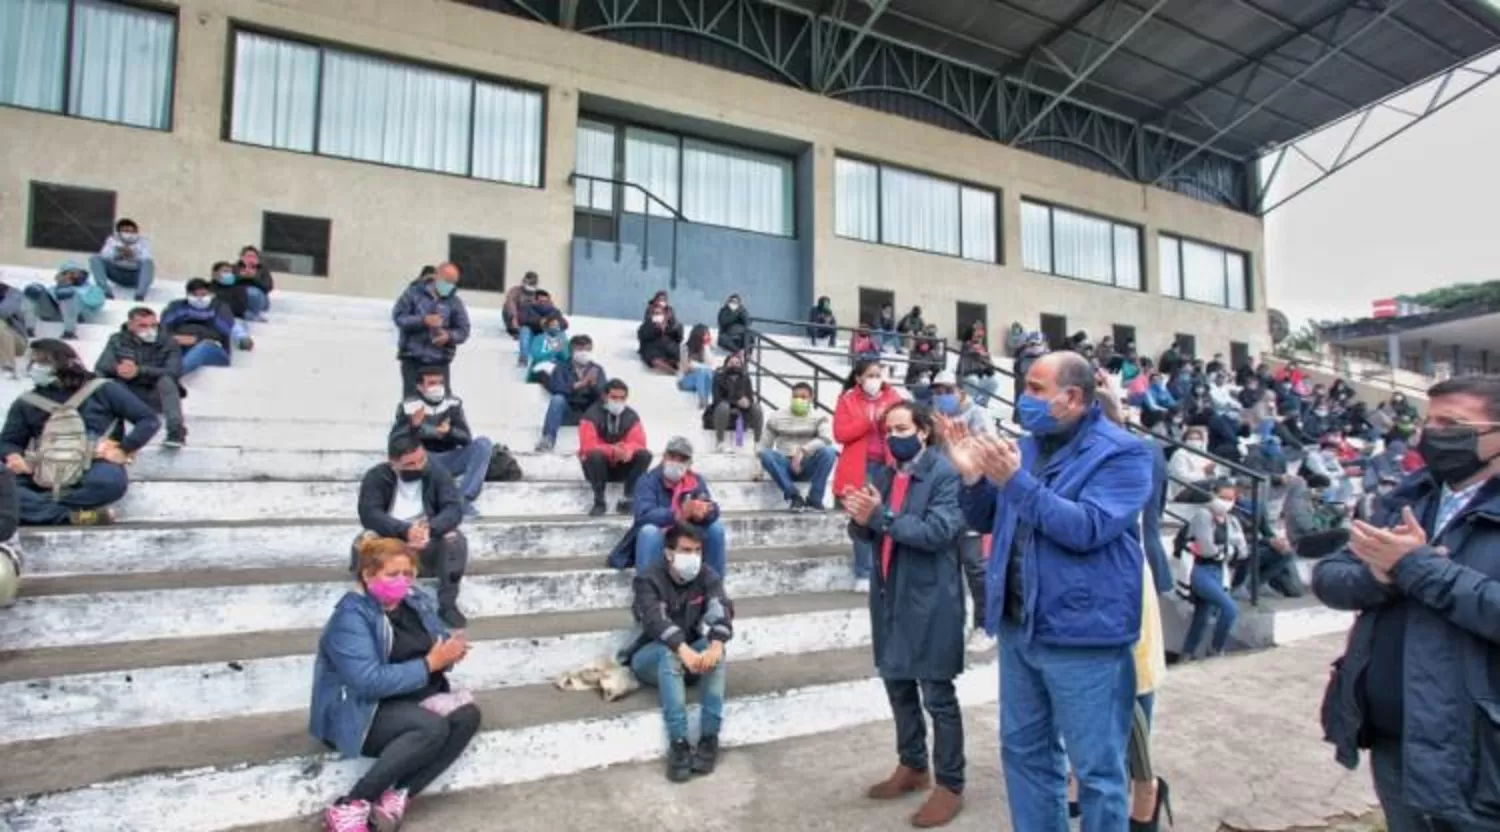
<point>724,447</point>
<point>980,641</point>
<point>862,586</point>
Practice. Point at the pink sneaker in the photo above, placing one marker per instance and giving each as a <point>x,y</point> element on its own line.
<point>353,816</point>
<point>390,811</point>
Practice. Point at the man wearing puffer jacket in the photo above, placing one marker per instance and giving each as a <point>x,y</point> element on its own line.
<point>433,321</point>
<point>148,365</point>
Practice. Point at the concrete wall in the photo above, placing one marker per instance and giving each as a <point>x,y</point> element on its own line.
<point>200,197</point>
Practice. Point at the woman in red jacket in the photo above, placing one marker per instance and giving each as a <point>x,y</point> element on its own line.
<point>859,426</point>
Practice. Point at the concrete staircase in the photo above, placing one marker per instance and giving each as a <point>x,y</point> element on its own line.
<point>154,674</point>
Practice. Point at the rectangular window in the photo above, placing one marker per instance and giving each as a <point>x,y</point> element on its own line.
<point>883,204</point>
<point>298,96</point>
<point>1204,273</point>
<point>969,314</point>
<point>480,261</point>
<point>69,219</point>
<point>736,188</point>
<point>1124,336</point>
<point>871,301</point>
<point>1055,329</point>
<point>651,161</point>
<point>594,156</point>
<point>1239,355</point>
<point>1067,243</point>
<point>295,245</point>
<point>115,59</point>
<point>1187,345</point>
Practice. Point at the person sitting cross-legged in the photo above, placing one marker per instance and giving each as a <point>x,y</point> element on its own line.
<point>148,365</point>
<point>549,347</point>
<point>380,689</point>
<point>822,323</point>
<point>204,327</point>
<point>660,339</point>
<point>734,399</point>
<point>516,298</point>
<point>612,446</point>
<point>683,620</point>
<point>798,447</point>
<point>67,476</point>
<point>125,259</point>
<point>669,495</point>
<point>410,499</point>
<point>74,296</point>
<point>575,386</point>
<point>439,422</point>
<point>734,325</point>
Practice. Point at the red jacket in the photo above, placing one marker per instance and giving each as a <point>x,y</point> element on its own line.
<point>853,419</point>
<point>590,440</point>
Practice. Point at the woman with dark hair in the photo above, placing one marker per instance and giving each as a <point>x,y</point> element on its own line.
<point>734,325</point>
<point>257,280</point>
<point>909,514</point>
<point>734,398</point>
<point>70,482</point>
<point>380,689</point>
<point>975,367</point>
<point>858,425</point>
<point>695,368</point>
<point>660,339</point>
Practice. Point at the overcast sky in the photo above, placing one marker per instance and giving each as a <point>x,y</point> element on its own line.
<point>1417,213</point>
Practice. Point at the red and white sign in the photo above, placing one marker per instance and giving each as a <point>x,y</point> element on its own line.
<point>1385,308</point>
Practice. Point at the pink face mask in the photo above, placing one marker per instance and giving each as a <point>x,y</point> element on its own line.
<point>388,591</point>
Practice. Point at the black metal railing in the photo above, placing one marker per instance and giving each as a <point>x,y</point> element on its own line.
<point>617,188</point>
<point>811,372</point>
<point>1258,481</point>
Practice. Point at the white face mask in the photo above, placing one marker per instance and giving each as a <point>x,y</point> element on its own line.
<point>200,301</point>
<point>687,565</point>
<point>673,471</point>
<point>656,319</point>
<point>435,393</point>
<point>41,375</point>
<point>147,335</point>
<point>582,358</point>
<point>129,237</point>
<point>872,386</point>
<point>1220,506</point>
<point>1196,444</point>
<point>614,408</point>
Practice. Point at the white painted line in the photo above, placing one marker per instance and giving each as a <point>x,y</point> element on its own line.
<point>66,706</point>
<point>214,799</point>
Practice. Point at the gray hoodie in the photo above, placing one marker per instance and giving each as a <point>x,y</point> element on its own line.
<point>115,248</point>
<point>1202,531</point>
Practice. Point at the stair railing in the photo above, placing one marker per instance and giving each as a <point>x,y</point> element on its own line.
<point>617,189</point>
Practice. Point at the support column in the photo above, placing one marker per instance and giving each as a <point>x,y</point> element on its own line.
<point>1393,350</point>
<point>1458,366</point>
<point>1426,357</point>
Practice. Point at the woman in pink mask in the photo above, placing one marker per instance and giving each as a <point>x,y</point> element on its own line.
<point>380,689</point>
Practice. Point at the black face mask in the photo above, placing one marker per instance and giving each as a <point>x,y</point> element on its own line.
<point>1452,453</point>
<point>412,476</point>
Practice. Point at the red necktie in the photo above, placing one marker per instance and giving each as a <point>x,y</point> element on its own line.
<point>898,499</point>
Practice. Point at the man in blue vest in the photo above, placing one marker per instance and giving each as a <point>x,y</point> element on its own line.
<point>1063,592</point>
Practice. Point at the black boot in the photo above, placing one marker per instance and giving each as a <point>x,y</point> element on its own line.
<point>679,761</point>
<point>598,508</point>
<point>707,755</point>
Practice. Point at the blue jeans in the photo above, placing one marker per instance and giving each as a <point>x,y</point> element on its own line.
<point>557,408</point>
<point>104,483</point>
<point>659,667</point>
<point>524,339</point>
<point>698,380</point>
<point>1081,696</point>
<point>888,339</point>
<point>907,697</point>
<point>988,386</point>
<point>864,550</point>
<point>651,543</point>
<point>139,278</point>
<point>815,469</point>
<point>471,462</point>
<point>58,303</point>
<point>203,354</point>
<point>1209,596</point>
<point>256,301</point>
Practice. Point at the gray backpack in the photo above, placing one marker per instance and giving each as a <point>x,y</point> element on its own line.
<point>64,452</point>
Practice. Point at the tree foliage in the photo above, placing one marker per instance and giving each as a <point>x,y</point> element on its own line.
<point>1460,296</point>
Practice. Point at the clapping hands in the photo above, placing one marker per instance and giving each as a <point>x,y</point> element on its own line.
<point>976,455</point>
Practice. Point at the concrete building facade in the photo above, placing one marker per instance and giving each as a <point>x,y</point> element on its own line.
<point>200,196</point>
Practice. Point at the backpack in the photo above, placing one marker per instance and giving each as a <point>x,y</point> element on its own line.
<point>503,466</point>
<point>63,453</point>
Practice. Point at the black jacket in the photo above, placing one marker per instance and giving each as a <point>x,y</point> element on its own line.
<point>162,357</point>
<point>10,506</point>
<point>732,326</point>
<point>262,279</point>
<point>660,342</point>
<point>440,502</point>
<point>450,410</point>
<point>234,295</point>
<point>676,614</point>
<point>731,386</point>
<point>110,405</point>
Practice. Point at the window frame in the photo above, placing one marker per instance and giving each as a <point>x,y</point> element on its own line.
<point>1224,252</point>
<point>504,258</point>
<point>265,216</point>
<point>31,202</point>
<point>959,186</point>
<point>622,128</point>
<point>161,8</point>
<point>1115,224</point>
<point>226,120</point>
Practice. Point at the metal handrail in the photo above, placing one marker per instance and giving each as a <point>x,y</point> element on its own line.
<point>756,358</point>
<point>1385,378</point>
<point>617,210</point>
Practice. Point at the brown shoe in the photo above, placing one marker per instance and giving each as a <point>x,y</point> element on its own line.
<point>902,781</point>
<point>942,806</point>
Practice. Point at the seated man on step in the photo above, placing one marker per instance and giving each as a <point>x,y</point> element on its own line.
<point>612,446</point>
<point>74,296</point>
<point>575,386</point>
<point>204,327</point>
<point>669,495</point>
<point>410,499</point>
<point>516,298</point>
<point>439,422</point>
<point>538,316</point>
<point>68,475</point>
<point>125,259</point>
<point>683,619</point>
<point>798,447</point>
<point>148,365</point>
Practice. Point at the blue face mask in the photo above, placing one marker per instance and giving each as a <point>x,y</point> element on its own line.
<point>904,448</point>
<point>947,403</point>
<point>1035,415</point>
<point>226,278</point>
<point>444,288</point>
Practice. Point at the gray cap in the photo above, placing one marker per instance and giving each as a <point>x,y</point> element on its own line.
<point>679,446</point>
<point>945,378</point>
